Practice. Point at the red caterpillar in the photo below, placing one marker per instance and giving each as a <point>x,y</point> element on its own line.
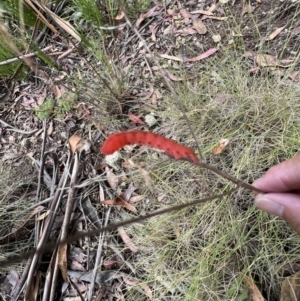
<point>172,148</point>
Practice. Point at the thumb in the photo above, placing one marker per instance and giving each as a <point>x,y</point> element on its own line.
<point>285,205</point>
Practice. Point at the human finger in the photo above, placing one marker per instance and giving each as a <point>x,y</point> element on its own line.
<point>285,205</point>
<point>282,177</point>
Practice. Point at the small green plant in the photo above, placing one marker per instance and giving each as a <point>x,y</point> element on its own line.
<point>63,106</point>
<point>46,109</point>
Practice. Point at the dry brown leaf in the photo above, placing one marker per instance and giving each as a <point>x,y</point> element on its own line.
<point>50,128</point>
<point>120,15</point>
<point>266,60</point>
<point>76,143</point>
<point>278,72</point>
<point>34,289</point>
<point>62,260</point>
<point>214,18</point>
<point>147,290</point>
<point>199,26</point>
<point>214,7</point>
<point>120,203</point>
<point>161,197</point>
<point>222,98</point>
<point>169,30</point>
<point>248,8</point>
<point>216,38</point>
<point>137,198</point>
<point>56,91</point>
<point>184,13</point>
<point>60,76</point>
<point>132,281</point>
<point>127,240</point>
<point>108,265</point>
<point>202,12</point>
<point>185,31</point>
<point>112,179</point>
<point>143,96</point>
<point>295,76</point>
<point>171,57</point>
<point>220,147</point>
<point>275,33</point>
<point>76,266</point>
<point>296,31</point>
<point>153,100</point>
<point>13,279</point>
<point>145,174</point>
<point>171,12</point>
<point>254,291</point>
<point>43,216</point>
<point>203,55</point>
<point>83,145</point>
<point>65,25</point>
<point>148,14</point>
<point>101,193</point>
<point>135,119</point>
<point>250,54</point>
<point>288,62</point>
<point>73,142</point>
<point>158,95</point>
<point>77,254</point>
<point>172,76</point>
<point>153,30</point>
<point>254,70</point>
<point>128,193</point>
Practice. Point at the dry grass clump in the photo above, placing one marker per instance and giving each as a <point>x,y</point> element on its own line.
<point>16,196</point>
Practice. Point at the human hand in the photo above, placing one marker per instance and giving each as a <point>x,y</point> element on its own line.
<point>282,186</point>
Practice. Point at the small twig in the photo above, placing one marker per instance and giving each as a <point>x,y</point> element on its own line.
<point>112,27</point>
<point>5,123</point>
<point>98,257</point>
<point>22,132</point>
<point>20,57</point>
<point>74,285</point>
<point>149,68</point>
<point>40,179</point>
<point>11,128</point>
<point>62,249</point>
<point>229,177</point>
<point>51,275</point>
<point>66,53</point>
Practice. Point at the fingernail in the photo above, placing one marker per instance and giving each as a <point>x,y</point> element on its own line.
<point>263,203</point>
